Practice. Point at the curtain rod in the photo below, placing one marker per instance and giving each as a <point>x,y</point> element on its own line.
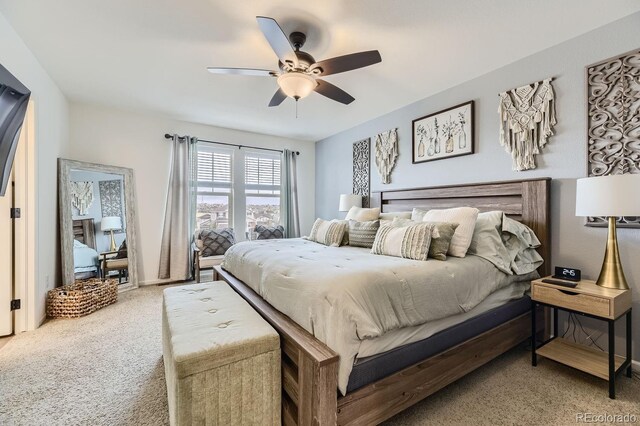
<point>168,136</point>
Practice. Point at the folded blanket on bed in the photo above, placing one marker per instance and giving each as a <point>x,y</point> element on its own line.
<point>343,295</point>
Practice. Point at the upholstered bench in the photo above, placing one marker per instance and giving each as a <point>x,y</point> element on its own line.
<point>221,359</point>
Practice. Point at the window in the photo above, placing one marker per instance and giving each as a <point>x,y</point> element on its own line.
<point>214,196</point>
<point>262,189</point>
<point>237,188</point>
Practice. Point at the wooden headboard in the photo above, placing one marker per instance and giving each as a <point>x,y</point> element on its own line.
<point>84,231</point>
<point>524,200</point>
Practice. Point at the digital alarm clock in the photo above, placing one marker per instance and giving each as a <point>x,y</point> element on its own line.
<point>569,274</point>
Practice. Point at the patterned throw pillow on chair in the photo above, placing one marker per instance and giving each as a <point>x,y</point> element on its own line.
<point>269,232</point>
<point>122,251</point>
<point>216,242</point>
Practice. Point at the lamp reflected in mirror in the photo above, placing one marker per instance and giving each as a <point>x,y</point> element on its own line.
<point>110,224</point>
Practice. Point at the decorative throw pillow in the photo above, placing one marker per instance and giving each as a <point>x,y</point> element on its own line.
<point>269,232</point>
<point>363,214</point>
<point>418,214</point>
<point>329,233</point>
<point>401,221</point>
<point>409,242</point>
<point>216,242</point>
<point>393,215</point>
<point>363,234</point>
<point>441,239</point>
<point>465,217</point>
<point>122,251</point>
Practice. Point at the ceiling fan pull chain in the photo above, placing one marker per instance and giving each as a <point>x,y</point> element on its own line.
<point>296,109</point>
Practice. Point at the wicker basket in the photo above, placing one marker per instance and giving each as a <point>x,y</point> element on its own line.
<point>81,298</point>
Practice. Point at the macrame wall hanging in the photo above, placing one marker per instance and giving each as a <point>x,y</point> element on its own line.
<point>362,169</point>
<point>527,116</point>
<point>613,116</point>
<point>82,196</point>
<point>386,153</point>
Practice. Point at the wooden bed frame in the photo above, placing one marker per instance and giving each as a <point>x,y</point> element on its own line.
<point>310,368</point>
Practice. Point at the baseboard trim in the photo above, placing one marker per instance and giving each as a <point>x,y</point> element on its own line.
<point>156,282</point>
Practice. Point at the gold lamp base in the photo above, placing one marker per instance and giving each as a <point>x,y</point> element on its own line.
<point>612,275</point>
<point>113,242</point>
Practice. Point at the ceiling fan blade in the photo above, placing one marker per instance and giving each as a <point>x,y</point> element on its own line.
<point>333,92</point>
<point>277,39</point>
<point>348,62</point>
<point>242,71</point>
<point>277,99</point>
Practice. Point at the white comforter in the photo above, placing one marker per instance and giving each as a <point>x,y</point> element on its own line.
<point>343,295</point>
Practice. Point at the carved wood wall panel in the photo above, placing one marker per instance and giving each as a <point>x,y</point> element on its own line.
<point>362,170</point>
<point>613,111</point>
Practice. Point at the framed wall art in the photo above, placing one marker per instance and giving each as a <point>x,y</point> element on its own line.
<point>613,122</point>
<point>444,134</point>
<point>362,170</point>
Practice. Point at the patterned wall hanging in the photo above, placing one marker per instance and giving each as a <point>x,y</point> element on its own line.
<point>82,197</point>
<point>613,92</point>
<point>386,153</point>
<point>111,200</point>
<point>527,116</point>
<point>362,169</point>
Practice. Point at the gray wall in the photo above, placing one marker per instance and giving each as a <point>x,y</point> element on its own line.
<point>564,158</point>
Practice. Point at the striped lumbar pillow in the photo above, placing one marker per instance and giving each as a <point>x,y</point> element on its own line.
<point>329,233</point>
<point>410,242</point>
<point>363,234</point>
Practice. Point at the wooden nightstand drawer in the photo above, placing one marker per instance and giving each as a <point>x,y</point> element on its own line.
<point>569,299</point>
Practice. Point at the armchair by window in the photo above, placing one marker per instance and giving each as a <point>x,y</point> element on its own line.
<point>209,247</point>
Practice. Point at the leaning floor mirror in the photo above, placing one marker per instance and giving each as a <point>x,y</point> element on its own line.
<point>97,223</point>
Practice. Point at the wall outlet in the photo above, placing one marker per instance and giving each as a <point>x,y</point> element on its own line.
<point>47,281</point>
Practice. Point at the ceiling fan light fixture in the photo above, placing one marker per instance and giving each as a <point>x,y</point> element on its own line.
<point>297,85</point>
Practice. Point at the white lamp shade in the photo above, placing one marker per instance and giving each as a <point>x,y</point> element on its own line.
<point>613,195</point>
<point>110,223</point>
<point>296,84</point>
<point>349,200</point>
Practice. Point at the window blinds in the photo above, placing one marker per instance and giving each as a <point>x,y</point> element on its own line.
<point>262,173</point>
<point>214,168</point>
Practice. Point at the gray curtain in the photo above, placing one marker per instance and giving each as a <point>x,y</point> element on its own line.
<point>290,216</point>
<point>179,215</point>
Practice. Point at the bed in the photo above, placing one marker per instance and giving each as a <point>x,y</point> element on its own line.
<point>85,256</point>
<point>313,373</point>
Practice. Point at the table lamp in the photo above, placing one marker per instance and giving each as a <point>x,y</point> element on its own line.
<point>349,200</point>
<point>110,224</point>
<point>610,196</point>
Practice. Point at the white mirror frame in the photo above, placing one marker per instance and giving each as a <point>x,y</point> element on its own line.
<point>66,224</point>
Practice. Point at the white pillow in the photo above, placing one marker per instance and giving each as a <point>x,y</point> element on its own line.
<point>393,215</point>
<point>465,217</point>
<point>418,214</point>
<point>78,244</point>
<point>361,214</point>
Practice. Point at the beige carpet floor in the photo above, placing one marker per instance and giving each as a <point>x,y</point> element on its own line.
<point>106,369</point>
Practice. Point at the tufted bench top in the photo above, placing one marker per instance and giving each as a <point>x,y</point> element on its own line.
<point>210,325</point>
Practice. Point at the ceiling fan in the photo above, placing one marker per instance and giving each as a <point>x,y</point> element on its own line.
<point>299,72</point>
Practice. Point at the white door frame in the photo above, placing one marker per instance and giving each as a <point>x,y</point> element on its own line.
<point>25,246</point>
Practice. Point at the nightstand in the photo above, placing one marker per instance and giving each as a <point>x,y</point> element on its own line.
<point>590,300</point>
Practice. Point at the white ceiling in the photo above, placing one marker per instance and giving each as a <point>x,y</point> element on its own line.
<point>151,54</point>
